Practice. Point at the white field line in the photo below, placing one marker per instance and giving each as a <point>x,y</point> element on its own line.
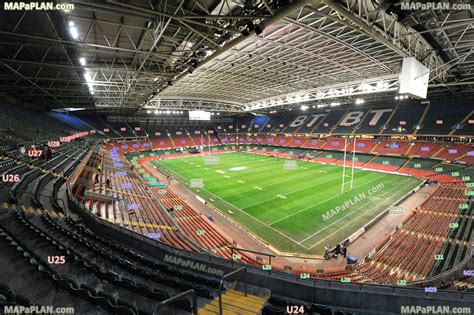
<point>217,197</point>
<point>285,180</point>
<point>286,193</point>
<point>279,232</point>
<point>336,196</point>
<point>269,225</point>
<point>352,212</point>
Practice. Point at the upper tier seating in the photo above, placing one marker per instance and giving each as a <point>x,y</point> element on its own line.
<point>242,125</point>
<point>329,121</point>
<point>95,122</point>
<point>122,129</point>
<point>374,122</point>
<point>28,125</point>
<point>405,119</point>
<point>284,123</point>
<point>258,123</point>
<point>136,129</point>
<point>466,127</point>
<point>272,123</point>
<point>351,120</point>
<point>442,119</point>
<point>227,127</point>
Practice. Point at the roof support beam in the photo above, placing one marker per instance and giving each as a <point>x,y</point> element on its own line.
<point>298,4</point>
<point>39,87</point>
<point>364,27</point>
<point>93,67</point>
<point>87,45</point>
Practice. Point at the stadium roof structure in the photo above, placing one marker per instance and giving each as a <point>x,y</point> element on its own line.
<point>228,55</point>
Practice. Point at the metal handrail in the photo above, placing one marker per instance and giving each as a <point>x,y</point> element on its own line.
<point>232,248</point>
<point>244,269</point>
<point>178,297</point>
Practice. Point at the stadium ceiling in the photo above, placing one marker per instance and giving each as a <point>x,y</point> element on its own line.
<point>227,55</point>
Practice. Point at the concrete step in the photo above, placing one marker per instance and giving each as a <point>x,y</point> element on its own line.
<point>214,306</point>
<point>235,302</point>
<point>242,302</point>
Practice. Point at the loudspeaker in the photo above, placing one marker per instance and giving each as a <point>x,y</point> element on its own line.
<point>413,78</point>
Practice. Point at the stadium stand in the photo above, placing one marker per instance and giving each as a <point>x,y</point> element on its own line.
<point>405,120</point>
<point>424,149</point>
<point>235,157</point>
<point>329,122</point>
<point>390,147</point>
<point>467,126</point>
<point>442,119</point>
<point>114,201</point>
<point>372,123</point>
<point>415,249</point>
<point>386,163</point>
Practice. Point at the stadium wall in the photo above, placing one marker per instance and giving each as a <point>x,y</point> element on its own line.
<point>382,299</point>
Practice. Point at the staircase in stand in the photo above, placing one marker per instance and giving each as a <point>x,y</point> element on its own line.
<point>406,163</point>
<point>235,303</point>
<point>33,211</point>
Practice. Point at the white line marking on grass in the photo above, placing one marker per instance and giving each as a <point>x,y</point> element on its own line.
<point>258,188</point>
<point>238,168</point>
<point>287,193</point>
<point>220,172</point>
<point>281,196</point>
<point>206,169</point>
<point>226,176</point>
<point>279,232</point>
<point>343,218</point>
<point>281,182</point>
<point>217,197</point>
<point>302,210</point>
<point>241,181</point>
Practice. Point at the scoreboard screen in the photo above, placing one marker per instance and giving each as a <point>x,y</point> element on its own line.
<point>199,115</point>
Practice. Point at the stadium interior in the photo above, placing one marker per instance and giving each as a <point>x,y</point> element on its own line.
<point>236,157</point>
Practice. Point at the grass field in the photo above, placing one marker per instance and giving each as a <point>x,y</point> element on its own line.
<point>290,208</point>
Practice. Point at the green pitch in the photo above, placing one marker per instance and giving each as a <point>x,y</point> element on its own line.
<point>297,210</point>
